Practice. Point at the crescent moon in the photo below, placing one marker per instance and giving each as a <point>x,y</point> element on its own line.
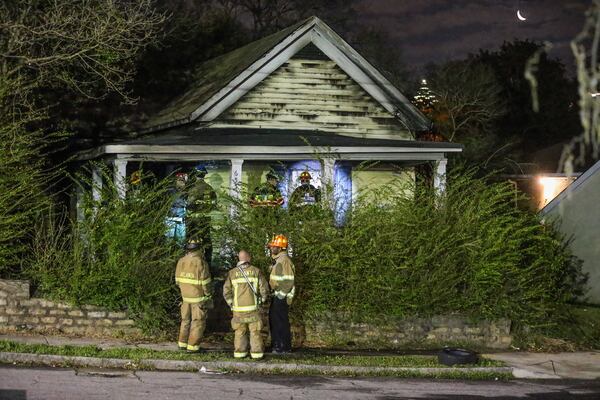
<point>520,16</point>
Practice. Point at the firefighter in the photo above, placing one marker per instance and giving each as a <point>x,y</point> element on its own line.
<point>282,285</point>
<point>201,200</point>
<point>268,194</point>
<point>245,289</point>
<point>305,194</point>
<point>193,277</point>
<point>176,218</point>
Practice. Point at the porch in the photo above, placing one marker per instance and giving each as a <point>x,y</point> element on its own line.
<point>241,156</point>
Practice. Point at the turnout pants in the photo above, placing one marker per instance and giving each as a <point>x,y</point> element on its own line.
<point>242,326</point>
<point>193,323</point>
<point>279,322</point>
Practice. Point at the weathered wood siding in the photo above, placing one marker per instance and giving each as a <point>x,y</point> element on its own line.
<point>313,94</point>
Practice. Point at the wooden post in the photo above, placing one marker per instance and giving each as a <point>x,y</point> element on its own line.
<point>439,178</point>
<point>96,183</point>
<point>79,202</point>
<point>120,172</point>
<point>235,181</point>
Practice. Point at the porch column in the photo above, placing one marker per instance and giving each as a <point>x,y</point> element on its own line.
<point>79,202</point>
<point>235,182</point>
<point>439,178</point>
<point>119,174</point>
<point>96,183</point>
<point>327,177</point>
<point>235,178</point>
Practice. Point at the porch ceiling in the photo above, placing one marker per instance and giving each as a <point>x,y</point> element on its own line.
<point>258,144</point>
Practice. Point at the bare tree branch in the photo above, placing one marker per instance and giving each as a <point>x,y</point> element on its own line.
<point>89,45</point>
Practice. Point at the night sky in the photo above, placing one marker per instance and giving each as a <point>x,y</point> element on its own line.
<point>439,30</point>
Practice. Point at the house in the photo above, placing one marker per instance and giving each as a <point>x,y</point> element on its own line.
<point>274,104</point>
<point>576,209</point>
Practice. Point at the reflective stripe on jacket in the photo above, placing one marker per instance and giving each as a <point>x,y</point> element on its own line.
<point>193,277</point>
<point>238,294</point>
<point>282,276</point>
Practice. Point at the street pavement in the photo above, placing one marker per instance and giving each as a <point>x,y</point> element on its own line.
<point>31,383</point>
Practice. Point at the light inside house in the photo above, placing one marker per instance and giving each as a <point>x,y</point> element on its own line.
<point>551,186</point>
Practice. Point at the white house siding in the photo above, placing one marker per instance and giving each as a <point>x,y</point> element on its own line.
<point>313,94</point>
<point>580,218</point>
<point>366,182</point>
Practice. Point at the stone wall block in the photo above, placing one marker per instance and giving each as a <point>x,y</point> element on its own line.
<point>37,311</point>
<point>31,320</point>
<point>96,314</point>
<point>117,315</point>
<point>75,313</point>
<point>46,303</point>
<point>14,311</point>
<point>125,322</point>
<point>15,288</point>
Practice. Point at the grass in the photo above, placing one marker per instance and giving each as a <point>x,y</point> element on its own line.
<point>580,330</point>
<point>136,354</point>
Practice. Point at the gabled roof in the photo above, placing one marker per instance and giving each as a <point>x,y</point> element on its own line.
<point>572,188</point>
<point>220,82</point>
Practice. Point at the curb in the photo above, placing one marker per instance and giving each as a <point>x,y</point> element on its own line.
<point>248,367</point>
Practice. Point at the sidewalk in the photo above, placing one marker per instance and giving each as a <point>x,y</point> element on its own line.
<point>578,365</point>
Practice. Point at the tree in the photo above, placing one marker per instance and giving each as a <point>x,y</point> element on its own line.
<point>376,46</point>
<point>89,46</point>
<point>584,148</point>
<point>556,120</point>
<point>467,98</point>
<point>268,16</point>
<point>47,47</point>
<point>468,104</point>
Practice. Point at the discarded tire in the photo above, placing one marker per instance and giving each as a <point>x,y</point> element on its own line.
<point>450,356</point>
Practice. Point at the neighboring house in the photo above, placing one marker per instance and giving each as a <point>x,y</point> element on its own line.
<point>539,178</point>
<point>577,209</point>
<point>274,104</point>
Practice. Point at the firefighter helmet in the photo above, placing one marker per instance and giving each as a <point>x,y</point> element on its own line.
<point>136,177</point>
<point>192,244</point>
<point>201,170</point>
<point>305,176</point>
<point>279,241</point>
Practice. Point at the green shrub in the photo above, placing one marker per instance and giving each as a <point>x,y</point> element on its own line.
<point>116,257</point>
<point>470,251</point>
<point>23,178</point>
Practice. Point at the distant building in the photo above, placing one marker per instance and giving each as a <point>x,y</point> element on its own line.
<point>577,209</point>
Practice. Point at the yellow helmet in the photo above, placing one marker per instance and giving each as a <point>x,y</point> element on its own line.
<point>279,241</point>
<point>136,177</point>
<point>305,176</point>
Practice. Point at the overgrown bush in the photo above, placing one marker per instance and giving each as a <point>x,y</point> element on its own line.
<point>469,251</point>
<point>23,177</point>
<point>117,256</point>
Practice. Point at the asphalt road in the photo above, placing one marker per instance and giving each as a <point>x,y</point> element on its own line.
<point>20,383</point>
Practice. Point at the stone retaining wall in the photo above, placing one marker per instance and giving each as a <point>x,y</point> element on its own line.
<point>402,333</point>
<point>20,312</point>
